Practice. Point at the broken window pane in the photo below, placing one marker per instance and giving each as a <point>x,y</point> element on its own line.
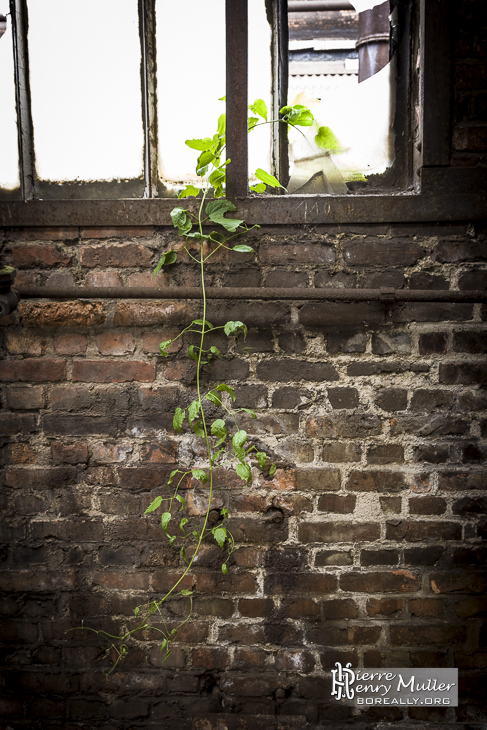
<point>339,67</point>
<point>85,89</point>
<point>9,157</point>
<point>259,85</point>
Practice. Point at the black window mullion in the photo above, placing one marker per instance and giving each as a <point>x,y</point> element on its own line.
<point>280,76</point>
<point>18,14</point>
<point>236,19</point>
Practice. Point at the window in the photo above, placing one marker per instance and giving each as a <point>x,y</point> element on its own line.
<point>129,186</point>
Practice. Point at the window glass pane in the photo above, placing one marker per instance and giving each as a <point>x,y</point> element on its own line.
<point>85,88</point>
<point>9,161</point>
<point>259,83</point>
<point>190,39</point>
<point>339,66</point>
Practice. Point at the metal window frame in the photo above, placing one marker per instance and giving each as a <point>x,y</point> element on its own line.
<point>445,193</point>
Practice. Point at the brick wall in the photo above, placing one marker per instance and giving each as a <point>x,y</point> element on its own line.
<point>366,546</point>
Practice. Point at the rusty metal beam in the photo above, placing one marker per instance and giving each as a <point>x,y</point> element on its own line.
<point>460,200</point>
<point>385,295</point>
<point>236,14</point>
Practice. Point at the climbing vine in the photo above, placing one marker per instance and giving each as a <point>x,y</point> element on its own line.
<point>226,443</point>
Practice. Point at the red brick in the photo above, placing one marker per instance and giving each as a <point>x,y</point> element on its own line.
<point>118,254</point>
<point>164,313</point>
<point>110,371</point>
<point>159,453</point>
<point>295,660</point>
<point>32,369</point>
<point>386,454</point>
<point>427,506</point>
<point>462,480</point>
<point>39,478</point>
<point>336,503</point>
<point>418,635</point>
<point>340,608</point>
<point>341,452</point>
<point>376,481</point>
<point>72,344</point>
<point>466,373</point>
<point>38,581</point>
<point>352,635</point>
<point>115,343</point>
<point>395,581</point>
<point>296,253</point>
<point>61,314</point>
<point>384,606</point>
<point>76,453</point>
<point>304,583</point>
<point>121,581</point>
<point>341,314</point>
<point>459,582</point>
<point>432,607</point>
<point>152,340</point>
<point>147,279</point>
<point>210,659</point>
<point>12,630</point>
<point>250,658</point>
<point>294,370</point>
<point>233,582</point>
<point>18,453</point>
<point>38,256</point>
<point>103,278</point>
<point>25,343</point>
<point>471,606</point>
<point>301,608</point>
<point>386,252</point>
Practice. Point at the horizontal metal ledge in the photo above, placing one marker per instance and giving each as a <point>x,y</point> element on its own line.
<point>307,6</point>
<point>386,296</point>
<point>264,210</point>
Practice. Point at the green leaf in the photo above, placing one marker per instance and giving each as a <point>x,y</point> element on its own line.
<point>165,520</point>
<point>189,191</point>
<point>213,398</point>
<point>216,209</point>
<point>183,522</point>
<point>272,470</point>
<point>201,322</point>
<point>178,419</point>
<point>221,125</point>
<point>163,347</point>
<point>200,475</point>
<point>218,428</point>
<point>181,501</point>
<point>224,513</point>
<point>226,388</point>
<point>193,352</point>
<point>216,455</point>
<point>199,144</point>
<point>242,248</point>
<point>183,555</point>
<point>243,471</point>
<point>267,178</point>
<point>220,535</point>
<point>136,610</point>
<point>259,107</point>
<point>198,429</point>
<point>217,178</point>
<point>327,140</point>
<point>261,459</point>
<point>232,328</point>
<point>181,220</point>
<point>238,441</point>
<point>224,569</point>
<point>259,188</point>
<point>167,258</point>
<point>167,654</point>
<point>248,410</point>
<point>186,592</point>
<point>252,122</point>
<point>215,351</point>
<point>171,476</point>
<point>203,161</point>
<point>163,645</point>
<point>193,410</point>
<point>172,540</point>
<point>153,505</point>
<point>297,115</point>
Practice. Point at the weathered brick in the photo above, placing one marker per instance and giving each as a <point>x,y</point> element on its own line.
<point>301,608</point>
<point>76,453</point>
<point>17,453</point>
<point>379,557</point>
<point>71,344</point>
<point>333,557</point>
<point>295,370</point>
<point>419,531</point>
<point>301,583</point>
<point>432,312</point>
<point>352,635</point>
<point>423,555</point>
<point>140,314</point>
<point>470,341</point>
<point>343,397</point>
<point>289,397</point>
<point>61,314</point>
<point>429,400</point>
<point>459,582</point>
<point>461,480</point>
<point>337,503</point>
<point>103,278</point>
<point>32,369</point>
<point>392,399</point>
<point>346,425</point>
<point>348,339</point>
<point>25,343</point>
<point>73,425</point>
<point>296,253</point>
<point>432,343</point>
<point>395,581</point>
<point>38,256</point>
<point>119,254</point>
<point>337,531</point>
<point>374,252</point>
<point>417,635</point>
<point>39,478</point>
<point>295,660</point>
<point>11,423</point>
<point>376,481</point>
<point>340,608</point>
<point>463,372</point>
<point>317,480</point>
<point>112,371</point>
<point>340,314</point>
<point>434,425</point>
<point>115,343</point>
<point>256,607</point>
<point>433,607</point>
<point>291,342</point>
<point>386,454</point>
<point>391,343</point>
<point>341,452</point>
<point>432,453</point>
<point>385,606</point>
